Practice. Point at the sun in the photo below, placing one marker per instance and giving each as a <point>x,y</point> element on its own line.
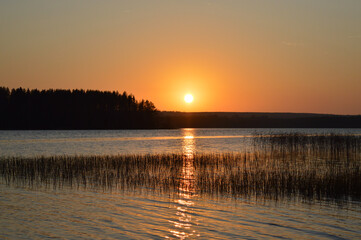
<point>188,98</point>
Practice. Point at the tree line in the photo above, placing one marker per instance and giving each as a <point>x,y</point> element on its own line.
<point>255,120</point>
<point>73,109</point>
<point>90,109</point>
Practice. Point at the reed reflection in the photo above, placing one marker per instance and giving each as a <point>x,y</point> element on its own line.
<point>185,222</point>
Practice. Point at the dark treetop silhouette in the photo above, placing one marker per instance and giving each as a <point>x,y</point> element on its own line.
<point>79,109</point>
<point>76,109</point>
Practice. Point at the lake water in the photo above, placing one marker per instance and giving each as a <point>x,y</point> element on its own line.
<point>111,142</point>
<point>71,213</point>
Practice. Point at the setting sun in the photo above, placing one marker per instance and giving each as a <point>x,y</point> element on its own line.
<point>188,98</point>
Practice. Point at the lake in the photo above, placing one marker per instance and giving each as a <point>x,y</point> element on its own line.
<point>110,142</point>
<point>141,213</point>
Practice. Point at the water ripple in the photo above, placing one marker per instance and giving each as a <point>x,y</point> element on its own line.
<point>97,215</point>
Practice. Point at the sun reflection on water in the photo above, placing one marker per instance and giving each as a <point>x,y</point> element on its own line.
<point>183,227</point>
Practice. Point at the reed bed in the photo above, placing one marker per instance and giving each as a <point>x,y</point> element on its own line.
<point>284,166</point>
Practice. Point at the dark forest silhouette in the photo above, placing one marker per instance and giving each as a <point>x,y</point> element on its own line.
<point>255,120</point>
<point>79,109</point>
<point>72,109</point>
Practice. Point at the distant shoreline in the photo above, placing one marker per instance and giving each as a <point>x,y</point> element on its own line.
<point>177,120</point>
<point>258,120</point>
<point>25,109</point>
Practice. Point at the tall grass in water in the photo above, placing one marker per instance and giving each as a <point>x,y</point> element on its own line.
<point>311,167</point>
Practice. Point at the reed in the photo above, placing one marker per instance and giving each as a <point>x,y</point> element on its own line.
<point>283,166</point>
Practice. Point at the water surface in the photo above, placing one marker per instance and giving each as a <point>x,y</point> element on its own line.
<point>111,142</point>
<point>81,214</point>
<point>77,213</point>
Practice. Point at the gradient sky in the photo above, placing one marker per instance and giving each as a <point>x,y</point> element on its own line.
<point>243,56</point>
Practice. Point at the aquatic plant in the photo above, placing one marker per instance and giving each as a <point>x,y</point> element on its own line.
<point>282,166</point>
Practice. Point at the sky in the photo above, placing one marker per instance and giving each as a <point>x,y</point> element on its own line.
<point>231,55</point>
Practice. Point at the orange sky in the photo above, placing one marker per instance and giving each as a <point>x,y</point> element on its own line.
<point>240,56</point>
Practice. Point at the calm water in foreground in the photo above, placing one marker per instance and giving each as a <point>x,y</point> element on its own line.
<point>144,214</point>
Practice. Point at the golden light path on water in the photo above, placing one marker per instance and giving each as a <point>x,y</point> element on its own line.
<point>184,227</point>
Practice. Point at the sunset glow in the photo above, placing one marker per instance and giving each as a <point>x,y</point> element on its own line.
<point>188,98</point>
<point>186,119</point>
<point>236,56</point>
